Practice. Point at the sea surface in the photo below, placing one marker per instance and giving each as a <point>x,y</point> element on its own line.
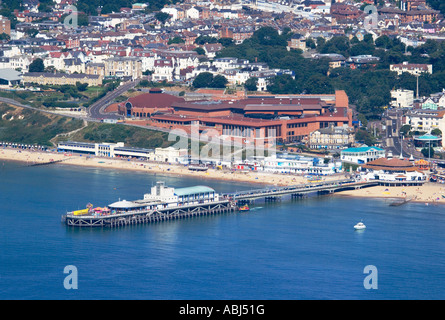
<point>291,250</point>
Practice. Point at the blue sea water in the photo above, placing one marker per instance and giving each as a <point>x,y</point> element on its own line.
<point>292,250</point>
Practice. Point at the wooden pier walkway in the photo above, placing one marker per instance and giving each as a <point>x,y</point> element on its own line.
<point>273,194</point>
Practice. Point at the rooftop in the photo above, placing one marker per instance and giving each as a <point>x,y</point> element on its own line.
<point>362,149</point>
<point>193,190</point>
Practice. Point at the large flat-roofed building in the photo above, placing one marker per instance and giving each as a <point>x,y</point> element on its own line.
<point>402,98</point>
<point>110,150</point>
<point>119,150</point>
<point>286,118</point>
<point>181,196</point>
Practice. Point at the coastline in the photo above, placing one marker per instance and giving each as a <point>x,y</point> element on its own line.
<point>260,178</point>
<point>428,193</point>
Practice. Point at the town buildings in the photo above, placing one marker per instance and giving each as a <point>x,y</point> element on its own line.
<point>5,25</point>
<point>402,98</point>
<point>332,138</point>
<point>361,155</point>
<point>424,120</point>
<point>287,118</point>
<point>45,78</point>
<point>412,68</point>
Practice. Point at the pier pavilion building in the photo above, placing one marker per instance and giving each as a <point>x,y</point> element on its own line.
<point>181,196</point>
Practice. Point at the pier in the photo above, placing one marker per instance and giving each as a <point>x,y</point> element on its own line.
<point>150,216</point>
<point>275,194</point>
<point>229,202</point>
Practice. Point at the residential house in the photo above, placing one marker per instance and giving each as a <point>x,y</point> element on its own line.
<point>123,67</point>
<point>415,69</point>
<point>95,69</point>
<point>43,78</point>
<point>335,60</point>
<point>163,70</point>
<point>297,41</point>
<point>362,61</point>
<point>211,49</point>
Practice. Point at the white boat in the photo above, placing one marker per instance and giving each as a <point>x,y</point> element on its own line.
<point>359,226</point>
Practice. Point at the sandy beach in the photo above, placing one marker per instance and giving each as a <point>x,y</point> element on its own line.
<point>34,157</point>
<point>428,193</point>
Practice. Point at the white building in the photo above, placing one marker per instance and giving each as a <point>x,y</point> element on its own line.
<point>402,98</point>
<point>170,154</point>
<point>192,13</point>
<point>299,165</point>
<point>412,68</point>
<point>392,170</point>
<point>180,196</point>
<point>424,120</point>
<point>111,150</point>
<point>362,154</point>
<point>173,12</point>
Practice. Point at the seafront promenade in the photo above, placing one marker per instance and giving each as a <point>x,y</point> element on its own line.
<point>265,178</point>
<point>428,193</point>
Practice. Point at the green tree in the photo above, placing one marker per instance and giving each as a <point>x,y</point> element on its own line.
<point>318,84</point>
<point>5,37</point>
<point>428,152</point>
<point>205,39</point>
<point>268,36</point>
<point>203,80</point>
<point>364,136</point>
<point>162,17</point>
<point>310,43</point>
<point>251,84</point>
<point>31,32</point>
<point>226,42</point>
<point>282,84</point>
<point>199,51</point>
<point>81,86</point>
<point>37,66</point>
<point>405,129</point>
<point>436,132</point>
<point>176,40</point>
<point>219,81</point>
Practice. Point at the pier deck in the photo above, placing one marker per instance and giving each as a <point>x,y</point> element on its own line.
<point>150,216</point>
<point>228,202</point>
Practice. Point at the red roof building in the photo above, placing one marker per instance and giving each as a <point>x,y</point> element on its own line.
<point>286,118</point>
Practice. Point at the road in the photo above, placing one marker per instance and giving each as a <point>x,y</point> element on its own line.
<point>96,110</point>
<point>393,140</point>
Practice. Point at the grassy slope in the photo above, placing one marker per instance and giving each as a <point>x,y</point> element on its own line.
<point>32,127</point>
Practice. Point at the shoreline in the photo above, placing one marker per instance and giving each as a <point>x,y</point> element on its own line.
<point>258,178</point>
<point>428,193</point>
